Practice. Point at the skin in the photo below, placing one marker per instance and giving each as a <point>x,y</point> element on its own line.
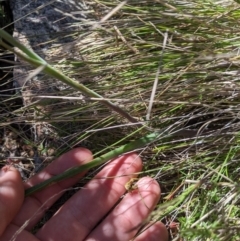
<point>91,214</point>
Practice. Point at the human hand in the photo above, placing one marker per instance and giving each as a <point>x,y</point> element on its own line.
<point>90,214</point>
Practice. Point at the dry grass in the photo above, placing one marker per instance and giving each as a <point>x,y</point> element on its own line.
<point>198,91</point>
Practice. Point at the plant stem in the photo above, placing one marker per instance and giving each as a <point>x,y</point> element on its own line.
<point>32,58</point>
<point>169,206</point>
<point>95,162</point>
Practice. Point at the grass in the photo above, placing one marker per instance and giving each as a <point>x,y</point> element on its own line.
<point>198,91</point>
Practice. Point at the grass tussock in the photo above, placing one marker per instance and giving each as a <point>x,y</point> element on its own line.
<point>192,49</point>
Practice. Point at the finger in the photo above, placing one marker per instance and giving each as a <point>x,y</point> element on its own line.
<point>11,195</point>
<point>85,209</point>
<point>35,206</point>
<point>14,233</point>
<point>123,222</point>
<point>156,232</point>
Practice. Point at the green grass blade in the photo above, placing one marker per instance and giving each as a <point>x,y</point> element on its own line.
<point>37,61</point>
<point>95,162</point>
<point>167,207</point>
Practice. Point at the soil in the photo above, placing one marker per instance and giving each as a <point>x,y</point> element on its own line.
<point>11,145</point>
<point>22,143</point>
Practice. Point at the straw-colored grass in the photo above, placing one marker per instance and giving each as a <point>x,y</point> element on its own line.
<point>195,47</point>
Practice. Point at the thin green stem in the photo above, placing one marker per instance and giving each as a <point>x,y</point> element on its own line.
<point>95,162</point>
<point>167,207</point>
<point>37,61</point>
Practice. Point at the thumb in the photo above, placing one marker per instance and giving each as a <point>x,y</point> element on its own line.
<point>11,195</point>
